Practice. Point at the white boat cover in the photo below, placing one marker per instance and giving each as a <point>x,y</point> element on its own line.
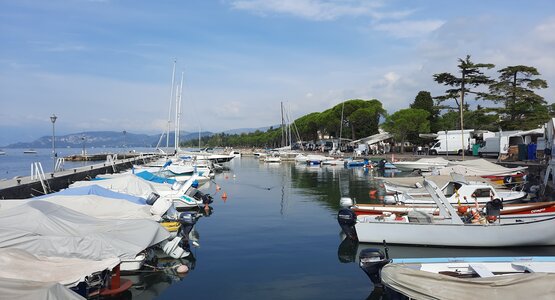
<point>48,229</point>
<point>32,290</point>
<point>22,265</point>
<point>94,206</point>
<point>104,208</point>
<point>419,284</point>
<point>128,184</point>
<point>477,167</point>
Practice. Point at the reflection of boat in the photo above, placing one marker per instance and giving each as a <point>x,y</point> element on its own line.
<point>30,151</point>
<point>447,230</point>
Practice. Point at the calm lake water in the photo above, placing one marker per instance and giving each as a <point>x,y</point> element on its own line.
<point>16,163</point>
<point>276,237</point>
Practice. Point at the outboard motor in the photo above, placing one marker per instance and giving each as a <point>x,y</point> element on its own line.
<point>381,164</point>
<point>152,198</point>
<point>371,261</point>
<point>206,199</point>
<point>187,220</point>
<point>347,220</point>
<point>493,209</point>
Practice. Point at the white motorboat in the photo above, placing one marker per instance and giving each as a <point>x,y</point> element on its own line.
<point>473,277</point>
<point>447,230</point>
<point>423,164</point>
<point>457,191</point>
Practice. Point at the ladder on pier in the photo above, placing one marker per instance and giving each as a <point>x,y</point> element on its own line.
<point>37,173</point>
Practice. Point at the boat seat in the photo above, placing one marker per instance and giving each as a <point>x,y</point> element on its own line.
<point>534,267</point>
<point>481,270</point>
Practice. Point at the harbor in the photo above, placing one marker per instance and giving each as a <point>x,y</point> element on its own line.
<point>251,149</point>
<point>294,201</point>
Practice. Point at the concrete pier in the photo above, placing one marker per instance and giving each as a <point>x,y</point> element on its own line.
<point>26,187</point>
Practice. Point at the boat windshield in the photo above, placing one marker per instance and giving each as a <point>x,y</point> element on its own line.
<point>451,188</point>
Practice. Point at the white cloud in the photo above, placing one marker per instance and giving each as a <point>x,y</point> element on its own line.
<point>409,29</point>
<point>318,10</point>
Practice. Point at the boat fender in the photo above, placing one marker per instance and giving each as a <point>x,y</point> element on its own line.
<point>371,261</point>
<point>508,179</point>
<point>347,220</point>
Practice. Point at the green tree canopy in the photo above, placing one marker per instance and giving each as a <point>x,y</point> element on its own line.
<point>406,122</point>
<point>523,108</point>
<point>471,77</point>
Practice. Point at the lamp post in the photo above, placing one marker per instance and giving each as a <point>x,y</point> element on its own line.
<point>54,155</point>
<point>124,142</point>
<point>83,139</point>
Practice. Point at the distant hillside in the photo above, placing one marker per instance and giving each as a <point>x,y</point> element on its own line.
<point>114,139</point>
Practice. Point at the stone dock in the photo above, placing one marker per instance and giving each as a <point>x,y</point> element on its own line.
<point>29,186</point>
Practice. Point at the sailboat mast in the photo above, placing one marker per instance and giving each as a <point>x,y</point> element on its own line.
<point>170,106</point>
<point>341,127</point>
<point>178,113</point>
<point>282,127</point>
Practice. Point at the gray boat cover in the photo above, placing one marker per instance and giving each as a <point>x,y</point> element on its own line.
<point>22,265</point>
<point>94,206</point>
<point>48,229</point>
<point>31,290</point>
<point>419,284</point>
<point>477,167</point>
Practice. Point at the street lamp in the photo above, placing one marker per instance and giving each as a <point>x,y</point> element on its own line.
<point>124,144</point>
<point>83,139</point>
<point>54,155</point>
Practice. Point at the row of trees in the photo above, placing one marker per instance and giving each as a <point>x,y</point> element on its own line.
<point>509,103</point>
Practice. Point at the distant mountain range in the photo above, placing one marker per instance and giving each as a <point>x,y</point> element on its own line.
<point>117,139</point>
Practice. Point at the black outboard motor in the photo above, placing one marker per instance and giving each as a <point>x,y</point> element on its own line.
<point>187,220</point>
<point>347,220</point>
<point>381,164</point>
<point>206,199</point>
<point>152,198</point>
<point>371,261</point>
<point>493,209</point>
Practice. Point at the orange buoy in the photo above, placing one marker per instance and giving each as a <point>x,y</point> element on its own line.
<point>224,195</point>
<point>372,194</point>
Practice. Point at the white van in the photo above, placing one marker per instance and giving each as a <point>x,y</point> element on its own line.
<point>451,142</point>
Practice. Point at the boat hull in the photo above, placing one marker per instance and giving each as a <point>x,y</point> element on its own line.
<point>533,233</point>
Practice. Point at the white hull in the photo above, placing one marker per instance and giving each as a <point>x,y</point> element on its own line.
<point>534,233</point>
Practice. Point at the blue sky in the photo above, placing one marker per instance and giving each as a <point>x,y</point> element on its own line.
<point>107,64</point>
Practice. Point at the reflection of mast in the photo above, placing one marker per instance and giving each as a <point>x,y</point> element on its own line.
<point>283,203</point>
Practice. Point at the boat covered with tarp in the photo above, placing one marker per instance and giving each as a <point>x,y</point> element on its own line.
<point>472,278</point>
<point>48,229</point>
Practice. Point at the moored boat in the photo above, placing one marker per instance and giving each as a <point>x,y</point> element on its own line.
<point>452,277</point>
<point>447,230</point>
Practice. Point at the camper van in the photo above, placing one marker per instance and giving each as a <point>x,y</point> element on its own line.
<point>451,142</point>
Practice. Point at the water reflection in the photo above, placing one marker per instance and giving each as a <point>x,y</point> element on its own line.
<point>154,279</point>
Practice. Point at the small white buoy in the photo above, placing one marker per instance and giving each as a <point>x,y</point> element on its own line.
<point>234,176</point>
<point>182,269</point>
